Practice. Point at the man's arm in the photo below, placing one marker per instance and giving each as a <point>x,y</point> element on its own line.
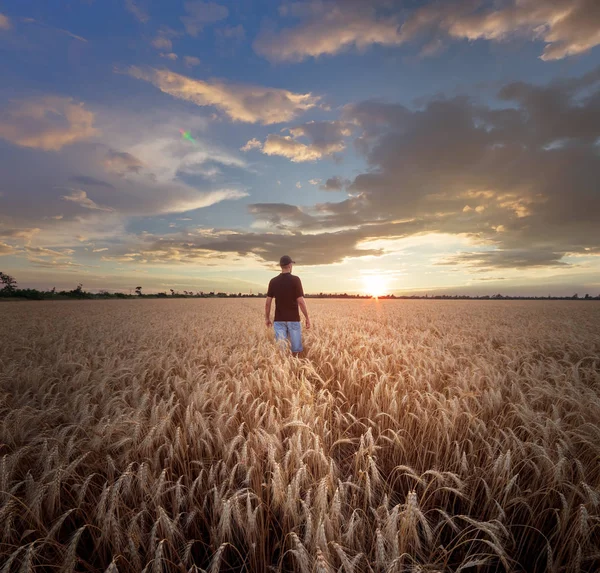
<point>302,304</point>
<point>268,311</point>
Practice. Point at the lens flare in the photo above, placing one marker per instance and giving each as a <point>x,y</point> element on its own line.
<point>187,135</point>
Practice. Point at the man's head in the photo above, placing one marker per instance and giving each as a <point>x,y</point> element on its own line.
<point>286,262</point>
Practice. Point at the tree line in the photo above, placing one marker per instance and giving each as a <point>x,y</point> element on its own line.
<point>9,289</point>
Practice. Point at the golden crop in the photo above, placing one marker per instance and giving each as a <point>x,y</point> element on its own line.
<point>173,435</point>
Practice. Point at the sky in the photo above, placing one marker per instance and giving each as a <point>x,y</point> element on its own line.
<point>389,146</point>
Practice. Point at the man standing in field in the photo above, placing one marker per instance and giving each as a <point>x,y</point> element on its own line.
<point>287,291</point>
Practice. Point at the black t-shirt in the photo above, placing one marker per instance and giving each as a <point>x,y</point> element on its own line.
<point>285,289</point>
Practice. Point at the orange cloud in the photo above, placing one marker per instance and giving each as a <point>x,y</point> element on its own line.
<point>247,103</point>
<point>48,123</point>
<point>330,29</point>
<point>569,27</point>
<point>6,249</point>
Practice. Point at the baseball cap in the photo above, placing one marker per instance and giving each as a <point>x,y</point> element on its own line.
<point>285,260</point>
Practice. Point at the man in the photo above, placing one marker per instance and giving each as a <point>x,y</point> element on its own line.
<point>287,291</point>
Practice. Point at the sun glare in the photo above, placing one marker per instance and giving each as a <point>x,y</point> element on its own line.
<point>375,285</point>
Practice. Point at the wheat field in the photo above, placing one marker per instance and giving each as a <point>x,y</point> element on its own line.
<point>173,435</point>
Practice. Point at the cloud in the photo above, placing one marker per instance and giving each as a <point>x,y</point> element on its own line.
<point>80,197</point>
<point>231,33</point>
<point>334,184</point>
<point>44,252</point>
<point>138,11</point>
<point>161,42</point>
<point>121,163</point>
<point>286,146</point>
<point>48,123</point>
<point>298,185</point>
<point>26,233</point>
<point>328,28</point>
<point>519,178</point>
<point>568,27</point>
<point>247,103</point>
<point>501,258</point>
<point>320,249</point>
<point>527,170</point>
<point>62,265</point>
<point>6,249</point>
<point>202,200</point>
<point>49,27</point>
<point>138,167</point>
<point>324,139</point>
<point>191,61</point>
<point>170,56</point>
<point>251,144</point>
<point>280,215</point>
<point>87,180</point>
<point>4,22</point>
<point>314,181</point>
<point>201,13</point>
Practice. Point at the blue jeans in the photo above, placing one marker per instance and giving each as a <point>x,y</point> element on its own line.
<point>291,330</point>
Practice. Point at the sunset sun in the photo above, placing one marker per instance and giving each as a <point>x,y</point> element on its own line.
<point>375,285</point>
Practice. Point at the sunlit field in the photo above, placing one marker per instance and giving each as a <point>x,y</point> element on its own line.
<point>173,435</point>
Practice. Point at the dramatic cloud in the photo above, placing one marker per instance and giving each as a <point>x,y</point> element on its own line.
<point>247,103</point>
<point>325,138</point>
<point>518,182</point>
<point>48,123</point>
<point>521,178</point>
<point>201,13</point>
<point>568,27</point>
<point>319,249</point>
<point>4,22</point>
<point>80,197</point>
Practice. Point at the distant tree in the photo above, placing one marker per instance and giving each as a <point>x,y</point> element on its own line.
<point>161,294</point>
<point>138,290</point>
<point>172,292</point>
<point>78,291</point>
<point>10,284</point>
<point>587,296</point>
<point>575,296</point>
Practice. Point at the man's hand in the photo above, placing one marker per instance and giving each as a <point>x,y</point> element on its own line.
<point>268,322</point>
<point>308,324</point>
